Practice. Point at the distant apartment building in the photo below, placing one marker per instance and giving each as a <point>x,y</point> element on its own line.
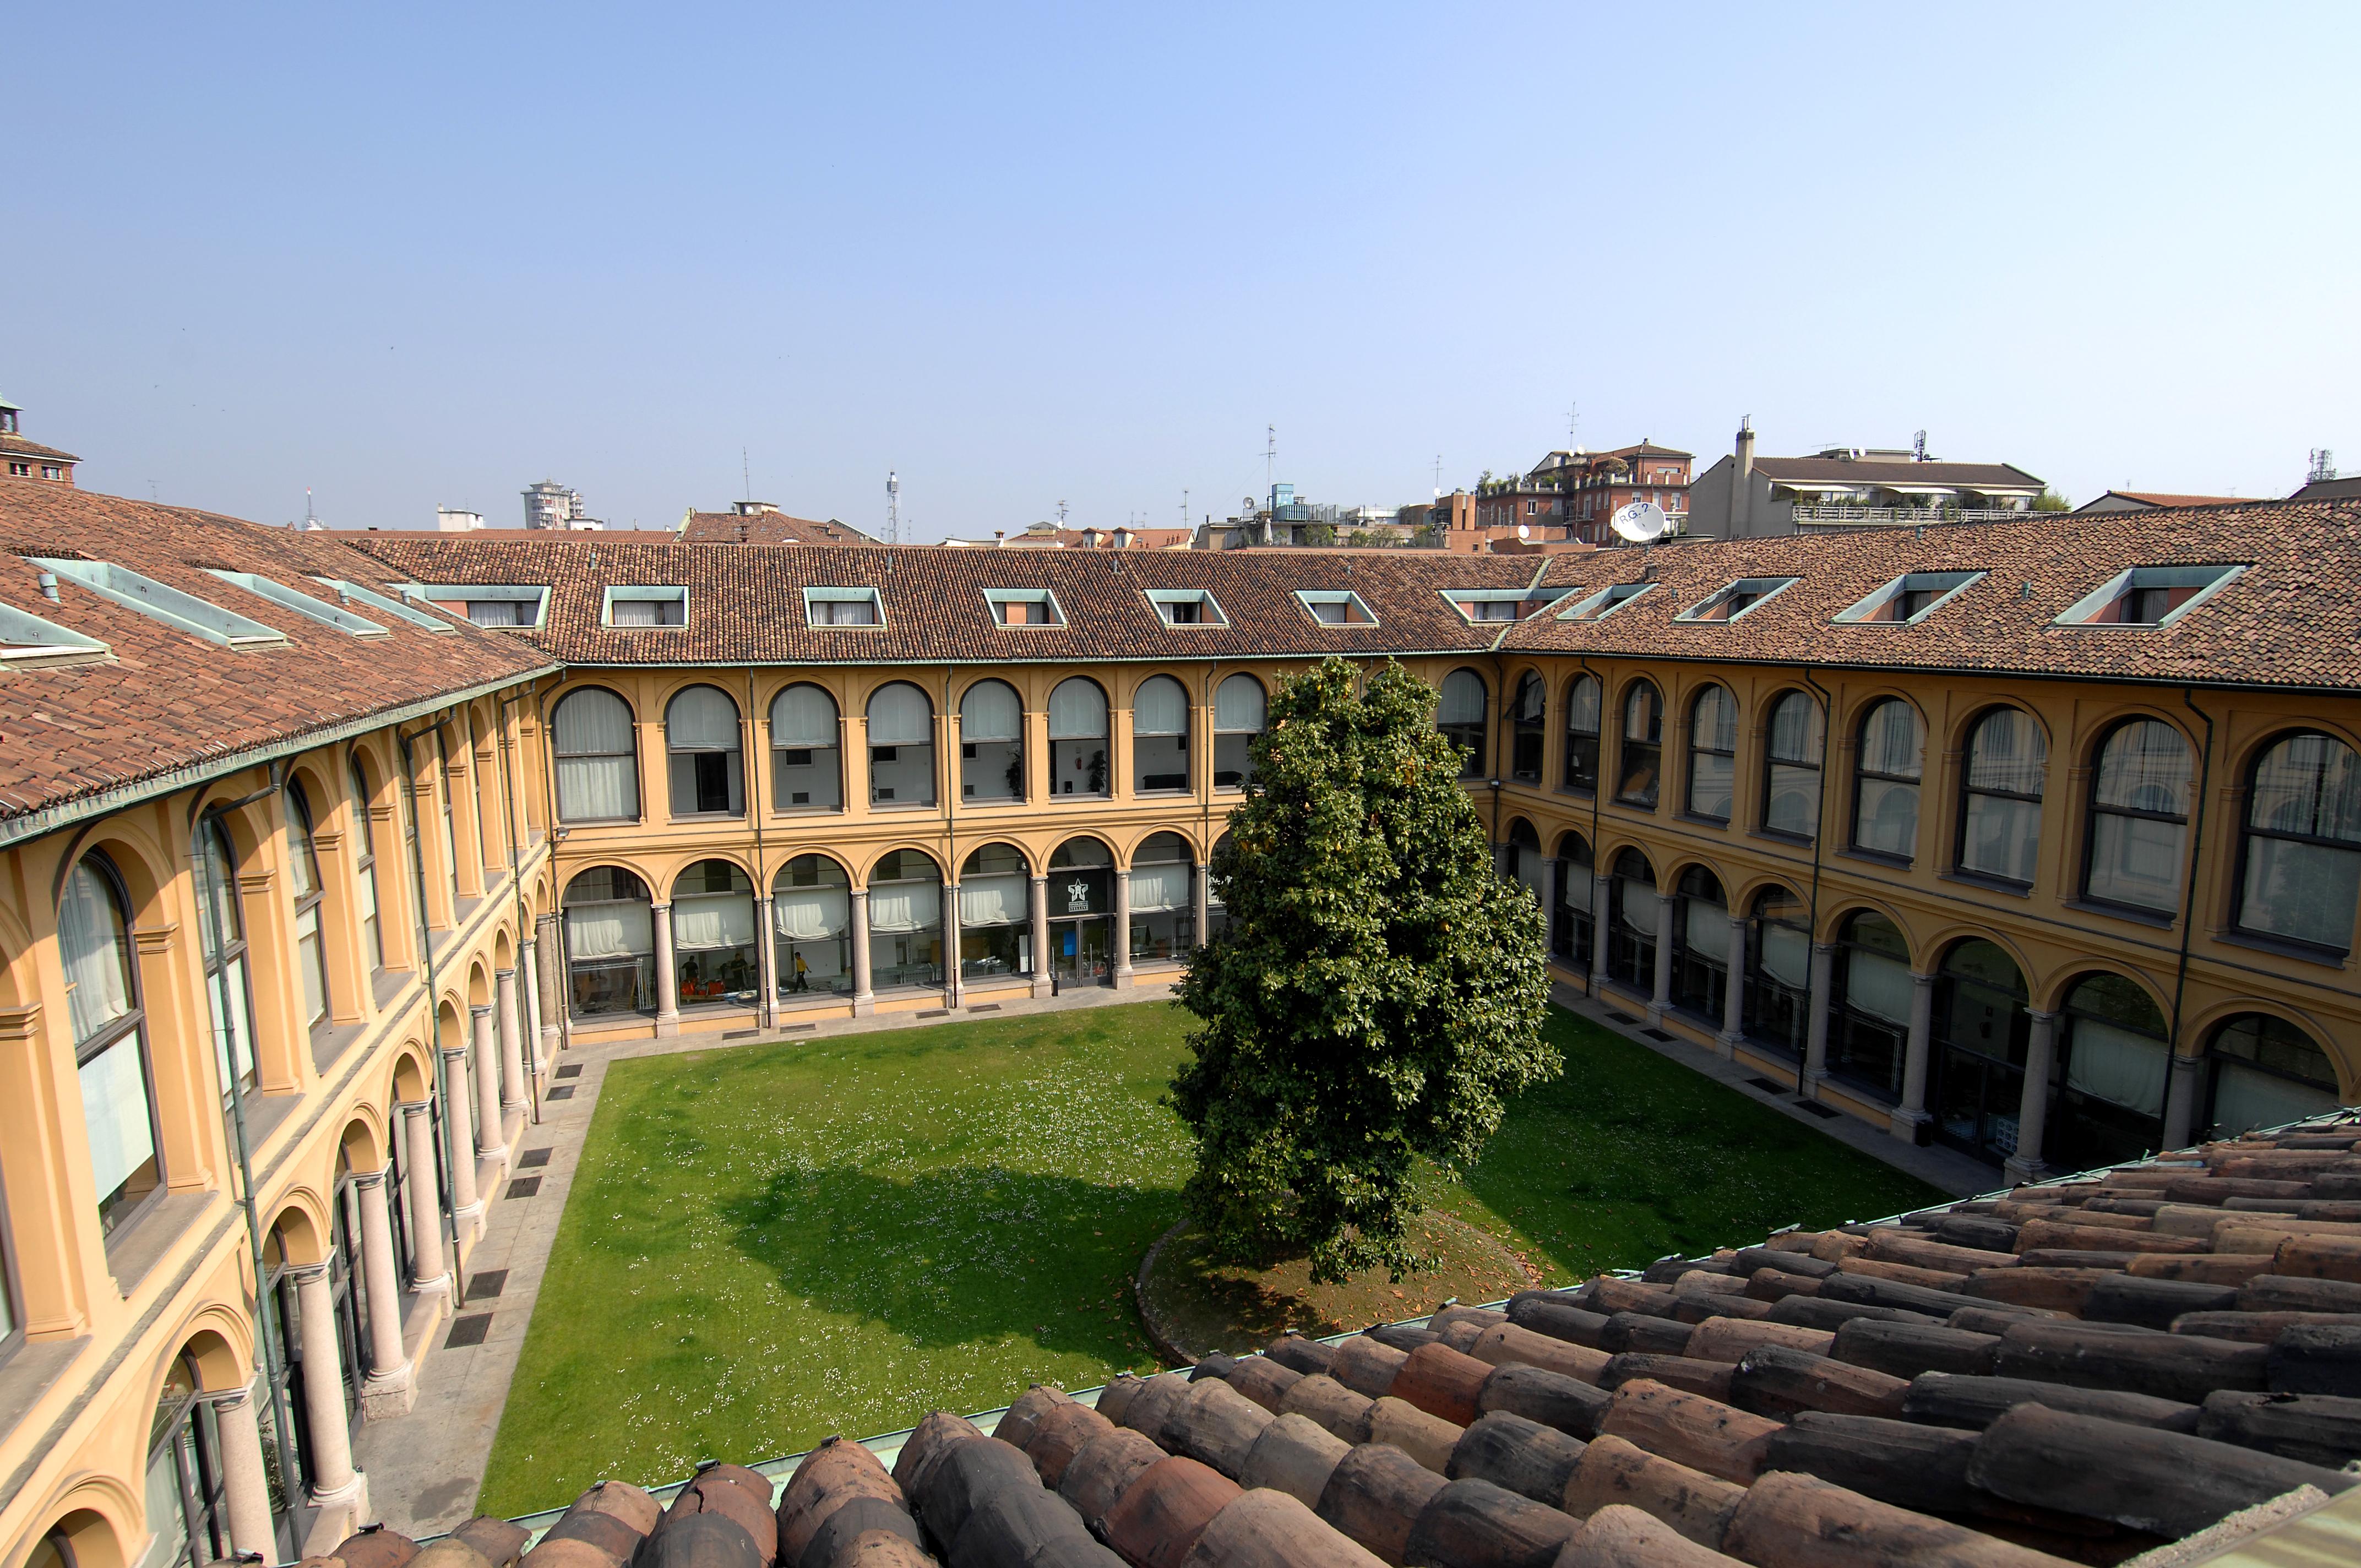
<point>457,520</point>
<point>1289,520</point>
<point>2151,500</point>
<point>760,523</point>
<point>1744,496</point>
<point>550,505</point>
<point>30,459</point>
<point>1053,536</point>
<point>1567,497</point>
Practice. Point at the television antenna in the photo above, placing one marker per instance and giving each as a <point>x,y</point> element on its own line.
<point>1438,476</point>
<point>893,507</point>
<point>2323,465</point>
<point>1573,421</point>
<point>1638,522</point>
<point>1061,514</point>
<point>1269,456</point>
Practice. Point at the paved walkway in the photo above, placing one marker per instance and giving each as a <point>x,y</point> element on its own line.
<point>426,1467</point>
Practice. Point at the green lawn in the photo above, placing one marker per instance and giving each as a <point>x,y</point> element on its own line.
<point>768,1244</point>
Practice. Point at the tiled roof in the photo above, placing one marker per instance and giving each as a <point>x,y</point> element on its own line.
<point>2346,489</point>
<point>2161,498</point>
<point>1873,471</point>
<point>2075,1372</point>
<point>746,605</point>
<point>765,528</point>
<point>169,700</point>
<point>2290,621</point>
<point>18,447</point>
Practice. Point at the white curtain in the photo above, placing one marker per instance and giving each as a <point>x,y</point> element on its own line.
<point>1077,711</point>
<point>1786,956</point>
<point>1239,705</point>
<point>701,920</point>
<point>1878,985</point>
<point>2244,1100</point>
<point>803,716</point>
<point>906,906</point>
<point>596,787</point>
<point>1889,742</point>
<point>1161,887</point>
<point>90,938</point>
<point>2117,1065</point>
<point>1159,708</point>
<point>1463,699</point>
<point>609,931</point>
<point>1529,868</point>
<point>899,715</point>
<point>701,719</point>
<point>1640,902</point>
<point>990,711</point>
<point>1707,929</point>
<point>1582,708</point>
<point>115,1114</point>
<point>593,723</point>
<point>993,900</point>
<point>809,914</point>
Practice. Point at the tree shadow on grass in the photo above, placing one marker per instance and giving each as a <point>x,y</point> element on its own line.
<point>959,1256</point>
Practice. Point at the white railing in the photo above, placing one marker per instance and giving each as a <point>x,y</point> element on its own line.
<point>1902,517</point>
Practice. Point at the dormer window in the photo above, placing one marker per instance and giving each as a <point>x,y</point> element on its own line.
<point>1186,607</point>
<point>26,642</point>
<point>349,593</point>
<point>843,607</point>
<point>1335,607</point>
<point>510,606</point>
<point>1604,602</point>
<point>300,603</point>
<point>1499,604</point>
<point>158,601</point>
<point>1909,599</point>
<point>627,607</point>
<point>2150,597</point>
<point>1024,607</point>
<point>1736,601</point>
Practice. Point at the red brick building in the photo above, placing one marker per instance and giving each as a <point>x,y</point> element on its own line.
<point>30,459</point>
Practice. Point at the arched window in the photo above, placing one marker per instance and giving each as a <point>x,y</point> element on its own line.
<point>1159,737</point>
<point>221,938</point>
<point>2000,809</point>
<point>1868,1011</point>
<point>1976,1073</point>
<point>703,754</point>
<point>598,769</point>
<point>1713,753</point>
<point>303,882</point>
<point>611,944</point>
<point>364,865</point>
<point>906,921</point>
<point>1163,898</point>
<point>1528,728</point>
<point>2266,1072</point>
<point>992,743</point>
<point>2303,849</point>
<point>1080,897</point>
<point>1582,736</point>
<point>1238,718</point>
<point>811,920</point>
<point>1775,1011</point>
<point>2113,1063</point>
<point>1524,858</point>
<point>2139,817</point>
<point>1460,714</point>
<point>901,746</point>
<point>1631,913</point>
<point>1886,782</point>
<point>1700,944</point>
<point>1642,761</point>
<point>996,914</point>
<point>806,750</point>
<point>1078,738</point>
<point>1791,784</point>
<point>118,1082</point>
<point>715,959</point>
<point>450,816</point>
<point>1571,922</point>
<point>188,1502</point>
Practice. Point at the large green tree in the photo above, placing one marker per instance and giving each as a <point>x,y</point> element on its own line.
<point>1377,994</point>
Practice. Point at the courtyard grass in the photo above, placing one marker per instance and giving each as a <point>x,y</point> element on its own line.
<point>768,1244</point>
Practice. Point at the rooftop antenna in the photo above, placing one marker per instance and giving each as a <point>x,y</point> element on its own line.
<point>1918,448</point>
<point>1269,456</point>
<point>2323,465</point>
<point>1184,506</point>
<point>746,472</point>
<point>1573,421</point>
<point>893,507</point>
<point>1438,475</point>
<point>1061,514</point>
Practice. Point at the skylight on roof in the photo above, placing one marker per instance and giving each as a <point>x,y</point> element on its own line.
<point>2148,596</point>
<point>1335,607</point>
<point>1736,601</point>
<point>1024,607</point>
<point>843,607</point>
<point>350,592</point>
<point>1604,602</point>
<point>1909,599</point>
<point>27,642</point>
<point>511,607</point>
<point>1501,604</point>
<point>632,605</point>
<point>302,603</point>
<point>1186,607</point>
<point>182,612</point>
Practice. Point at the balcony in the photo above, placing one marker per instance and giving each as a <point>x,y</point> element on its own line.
<point>1809,516</point>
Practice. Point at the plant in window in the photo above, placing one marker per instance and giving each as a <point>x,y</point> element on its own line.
<point>1376,994</point>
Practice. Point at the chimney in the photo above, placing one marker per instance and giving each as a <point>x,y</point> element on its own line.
<point>1741,482</point>
<point>999,536</point>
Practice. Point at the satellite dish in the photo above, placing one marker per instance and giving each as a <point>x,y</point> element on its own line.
<point>1641,522</point>
<point>1523,532</point>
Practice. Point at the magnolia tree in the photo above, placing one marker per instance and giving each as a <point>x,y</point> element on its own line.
<point>1377,994</point>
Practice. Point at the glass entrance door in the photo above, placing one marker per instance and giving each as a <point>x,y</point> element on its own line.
<point>1079,950</point>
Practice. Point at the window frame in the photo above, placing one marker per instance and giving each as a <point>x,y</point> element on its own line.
<point>1309,600</point>
<point>2081,614</point>
<point>1569,777</point>
<point>133,1022</point>
<point>934,763</point>
<point>2248,832</point>
<point>1917,783</point>
<point>1535,729</point>
<point>1188,735</point>
<point>1772,763</point>
<point>781,803</point>
<point>1605,601</point>
<point>1945,586</point>
<point>674,751</point>
<point>997,600</point>
<point>859,593</point>
<point>1474,761</point>
<point>1689,806</point>
<point>1762,589</point>
<point>302,828</point>
<point>635,593</point>
<point>632,757</point>
<point>1023,792</point>
<point>566,905</point>
<point>1163,599</point>
<point>236,952</point>
<point>365,859</point>
<point>1624,746</point>
<point>2093,808</point>
<point>1969,791</point>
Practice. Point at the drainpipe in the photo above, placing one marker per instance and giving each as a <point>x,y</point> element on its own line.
<point>2189,900</point>
<point>448,1146</point>
<point>1819,838</point>
<point>1598,787</point>
<point>764,1004</point>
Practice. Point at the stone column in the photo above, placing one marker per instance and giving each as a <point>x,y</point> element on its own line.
<point>464,1206</point>
<point>1602,905</point>
<point>767,966</point>
<point>246,1483</point>
<point>334,1480</point>
<point>1816,1035</point>
<point>427,1274</point>
<point>1042,983</point>
<point>1911,1114</point>
<point>1549,910</point>
<point>1662,998</point>
<point>667,976</point>
<point>491,1136</point>
<point>954,987</point>
<point>2033,1109</point>
<point>1733,989</point>
<point>515,1094</point>
<point>864,998</point>
<point>2181,1101</point>
<point>548,969</point>
<point>1120,937</point>
<point>388,1390</point>
<point>1200,883</point>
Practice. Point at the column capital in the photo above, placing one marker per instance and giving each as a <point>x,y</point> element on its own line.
<point>229,1398</point>
<point>1738,920</point>
<point>480,1010</point>
<point>368,1180</point>
<point>507,973</point>
<point>2040,1017</point>
<point>415,1107</point>
<point>541,922</point>
<point>453,1053</point>
<point>1923,979</point>
<point>304,1273</point>
<point>661,906</point>
<point>1826,949</point>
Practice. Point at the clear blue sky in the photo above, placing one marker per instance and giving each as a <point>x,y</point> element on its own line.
<point>1026,255</point>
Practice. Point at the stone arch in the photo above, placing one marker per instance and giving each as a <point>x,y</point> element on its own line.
<point>300,1226</point>
<point>93,1520</point>
<point>1951,933</point>
<point>480,984</point>
<point>1844,907</point>
<point>413,1077</point>
<point>1742,895</point>
<point>869,868</point>
<point>363,1141</point>
<point>1125,845</point>
<point>2050,993</point>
